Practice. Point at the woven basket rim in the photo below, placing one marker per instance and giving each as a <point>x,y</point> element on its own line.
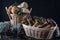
<point>39,28</point>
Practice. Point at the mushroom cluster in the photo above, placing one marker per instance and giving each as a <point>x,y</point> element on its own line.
<point>25,18</point>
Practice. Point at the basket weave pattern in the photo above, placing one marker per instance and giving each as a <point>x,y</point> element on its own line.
<point>38,33</point>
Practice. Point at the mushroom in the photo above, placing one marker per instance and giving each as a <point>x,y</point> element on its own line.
<point>23,5</point>
<point>15,10</point>
<point>24,10</point>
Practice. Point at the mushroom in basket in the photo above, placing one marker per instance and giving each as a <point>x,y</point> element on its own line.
<point>15,10</point>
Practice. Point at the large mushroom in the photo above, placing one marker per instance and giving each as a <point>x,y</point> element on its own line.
<point>23,5</point>
<point>15,10</point>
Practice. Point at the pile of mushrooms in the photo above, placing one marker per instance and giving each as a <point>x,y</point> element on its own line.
<point>25,17</point>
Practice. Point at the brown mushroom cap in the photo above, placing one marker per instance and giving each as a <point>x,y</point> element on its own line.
<point>14,10</point>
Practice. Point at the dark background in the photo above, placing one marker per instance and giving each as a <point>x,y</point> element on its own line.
<point>45,8</point>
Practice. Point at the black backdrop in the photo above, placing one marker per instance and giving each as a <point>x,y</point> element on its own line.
<point>45,8</point>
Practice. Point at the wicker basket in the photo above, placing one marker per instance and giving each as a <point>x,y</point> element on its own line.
<point>39,33</point>
<point>14,19</point>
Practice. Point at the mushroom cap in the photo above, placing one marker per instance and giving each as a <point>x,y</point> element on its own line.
<point>24,10</point>
<point>24,5</point>
<point>14,10</point>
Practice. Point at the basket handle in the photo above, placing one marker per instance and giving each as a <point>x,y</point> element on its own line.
<point>8,13</point>
<point>30,10</point>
